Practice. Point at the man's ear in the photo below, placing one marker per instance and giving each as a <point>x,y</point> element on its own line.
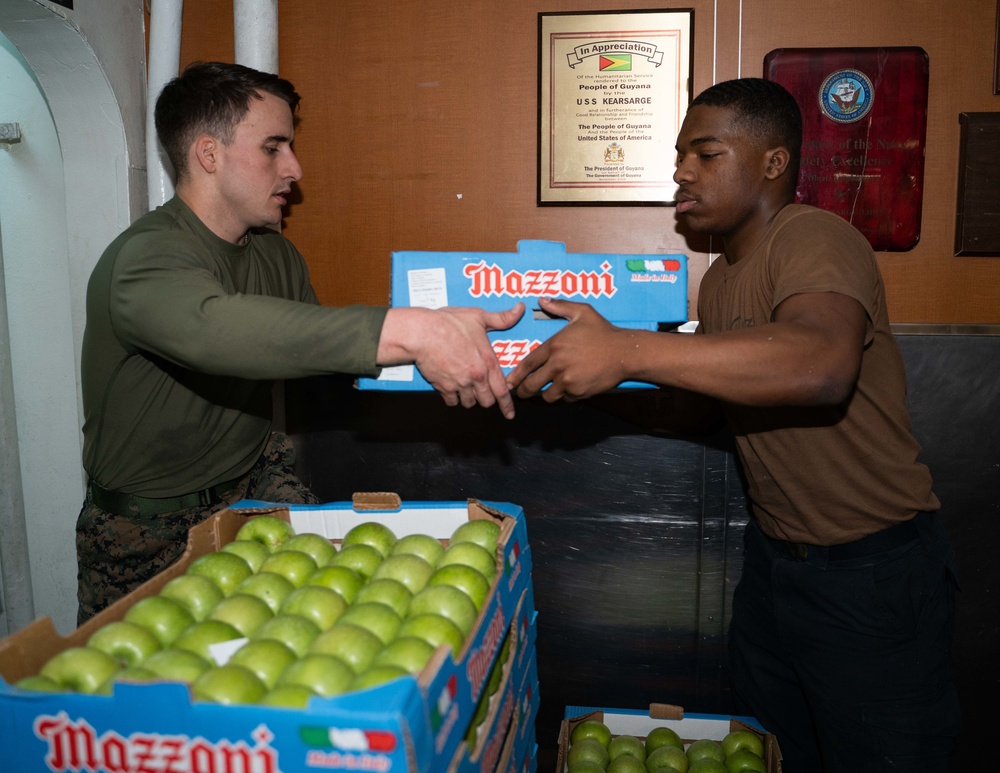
<point>205,150</point>
<point>777,162</point>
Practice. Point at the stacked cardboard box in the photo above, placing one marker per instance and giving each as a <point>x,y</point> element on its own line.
<point>690,727</point>
<point>415,724</point>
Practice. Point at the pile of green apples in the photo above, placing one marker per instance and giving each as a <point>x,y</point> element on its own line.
<point>276,617</point>
<point>593,749</point>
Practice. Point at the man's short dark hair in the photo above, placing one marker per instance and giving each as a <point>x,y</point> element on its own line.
<point>770,114</point>
<point>211,98</point>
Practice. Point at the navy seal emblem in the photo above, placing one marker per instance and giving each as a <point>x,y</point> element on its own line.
<point>846,96</point>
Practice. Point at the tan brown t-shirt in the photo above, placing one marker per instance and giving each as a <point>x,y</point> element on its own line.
<point>824,475</point>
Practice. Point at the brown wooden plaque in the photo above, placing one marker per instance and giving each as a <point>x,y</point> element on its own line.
<point>864,126</point>
<point>977,211</point>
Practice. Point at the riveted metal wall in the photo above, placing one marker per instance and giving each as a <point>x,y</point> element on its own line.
<point>636,539</point>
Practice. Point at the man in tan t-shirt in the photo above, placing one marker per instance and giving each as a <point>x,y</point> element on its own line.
<point>844,613</point>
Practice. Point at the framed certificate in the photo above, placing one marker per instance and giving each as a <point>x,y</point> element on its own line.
<point>613,90</point>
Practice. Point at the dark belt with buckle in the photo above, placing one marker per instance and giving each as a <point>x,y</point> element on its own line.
<point>120,503</point>
<point>879,542</point>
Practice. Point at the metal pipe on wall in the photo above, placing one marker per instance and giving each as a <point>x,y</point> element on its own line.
<point>255,27</point>
<point>164,64</point>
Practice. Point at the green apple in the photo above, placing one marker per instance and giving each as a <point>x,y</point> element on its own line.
<point>132,674</point>
<point>591,728</point>
<point>39,683</point>
<point>251,551</point>
<point>270,530</point>
<point>321,605</point>
<point>705,748</point>
<point>465,578</point>
<point>80,669</point>
<point>354,645</point>
<point>229,685</point>
<point>423,545</point>
<point>165,617</point>
<point>667,757</point>
<point>377,535</point>
<point>243,611</point>
<point>324,674</point>
<point>407,652</point>
<point>470,554</point>
<point>316,545</point>
<point>448,601</point>
<point>435,629</point>
<point>196,592</point>
<point>744,759</point>
<point>200,638</point>
<point>377,675</point>
<point>707,765</point>
<point>626,744</point>
<point>363,559</point>
<point>269,587</point>
<point>585,766</point>
<point>381,620</point>
<point>411,570</point>
<point>177,665</point>
<point>291,696</point>
<point>227,570</point>
<point>129,643</point>
<point>341,579</point>
<point>483,532</point>
<point>589,749</point>
<point>267,658</point>
<point>662,736</point>
<point>293,630</point>
<point>742,739</point>
<point>626,763</point>
<point>293,565</point>
<point>386,591</point>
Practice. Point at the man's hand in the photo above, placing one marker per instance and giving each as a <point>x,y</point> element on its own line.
<point>581,360</point>
<point>451,350</point>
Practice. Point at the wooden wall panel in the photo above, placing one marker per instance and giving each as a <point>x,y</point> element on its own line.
<point>419,124</point>
<point>928,283</point>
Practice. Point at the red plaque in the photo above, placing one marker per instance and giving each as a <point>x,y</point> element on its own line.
<point>864,126</point>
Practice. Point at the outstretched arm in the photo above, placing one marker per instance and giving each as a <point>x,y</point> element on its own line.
<point>810,354</point>
<point>450,348</point>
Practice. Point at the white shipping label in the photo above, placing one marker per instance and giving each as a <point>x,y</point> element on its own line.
<point>428,288</point>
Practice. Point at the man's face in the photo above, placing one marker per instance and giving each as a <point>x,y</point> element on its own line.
<point>259,166</point>
<point>720,171</point>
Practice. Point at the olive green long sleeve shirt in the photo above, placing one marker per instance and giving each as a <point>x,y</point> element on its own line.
<point>185,334</point>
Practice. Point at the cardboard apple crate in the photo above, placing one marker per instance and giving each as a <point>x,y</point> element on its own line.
<point>646,292</point>
<point>520,747</point>
<point>501,731</point>
<point>690,727</point>
<point>411,724</point>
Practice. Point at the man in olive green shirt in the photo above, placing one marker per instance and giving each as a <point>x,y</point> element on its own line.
<point>197,308</point>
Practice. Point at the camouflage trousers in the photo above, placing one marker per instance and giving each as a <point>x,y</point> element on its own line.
<point>117,552</point>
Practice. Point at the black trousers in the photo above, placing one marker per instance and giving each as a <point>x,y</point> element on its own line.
<point>845,659</point>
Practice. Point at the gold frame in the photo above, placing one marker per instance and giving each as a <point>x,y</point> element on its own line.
<point>613,88</point>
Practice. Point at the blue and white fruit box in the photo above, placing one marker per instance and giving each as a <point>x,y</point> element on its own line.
<point>645,292</point>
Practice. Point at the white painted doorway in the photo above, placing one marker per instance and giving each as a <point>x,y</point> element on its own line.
<point>64,195</point>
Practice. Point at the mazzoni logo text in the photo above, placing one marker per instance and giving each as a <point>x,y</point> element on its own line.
<point>482,658</point>
<point>75,746</point>
<point>511,352</point>
<point>486,280</point>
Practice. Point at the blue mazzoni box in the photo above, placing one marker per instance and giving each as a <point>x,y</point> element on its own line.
<point>646,292</point>
<point>413,724</point>
<point>689,726</point>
